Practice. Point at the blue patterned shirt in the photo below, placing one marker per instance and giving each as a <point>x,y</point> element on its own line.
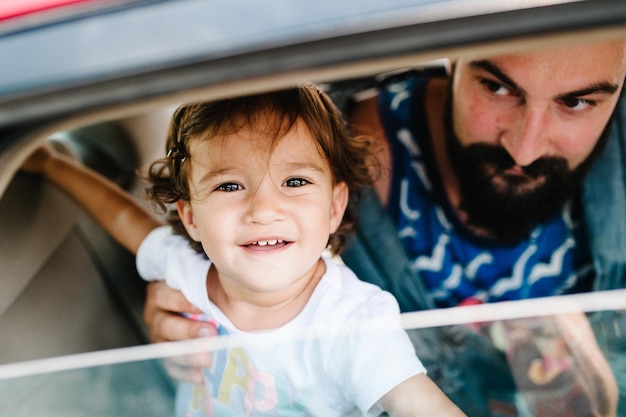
<point>456,265</point>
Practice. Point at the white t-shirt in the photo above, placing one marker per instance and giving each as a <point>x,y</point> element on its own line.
<point>338,357</point>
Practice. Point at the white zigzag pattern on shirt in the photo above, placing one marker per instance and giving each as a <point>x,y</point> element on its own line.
<point>400,94</point>
<point>406,139</point>
<point>443,220</point>
<point>566,215</point>
<point>517,278</point>
<point>450,283</point>
<point>572,278</point>
<point>539,271</point>
<point>404,203</point>
<point>434,262</point>
<point>420,170</point>
<point>454,279</point>
<point>480,260</point>
<point>408,231</point>
<point>554,267</point>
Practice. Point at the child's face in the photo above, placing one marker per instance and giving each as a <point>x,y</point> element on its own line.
<point>263,219</point>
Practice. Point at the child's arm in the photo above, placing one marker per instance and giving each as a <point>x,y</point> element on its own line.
<point>419,396</point>
<point>110,206</point>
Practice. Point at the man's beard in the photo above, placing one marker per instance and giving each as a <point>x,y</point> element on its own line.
<point>509,206</point>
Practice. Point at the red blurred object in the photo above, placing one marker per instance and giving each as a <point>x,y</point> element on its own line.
<point>10,9</point>
<point>471,301</point>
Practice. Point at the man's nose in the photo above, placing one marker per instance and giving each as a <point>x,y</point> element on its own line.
<point>265,204</point>
<point>529,137</point>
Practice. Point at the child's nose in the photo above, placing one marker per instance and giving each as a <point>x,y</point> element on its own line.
<point>266,205</point>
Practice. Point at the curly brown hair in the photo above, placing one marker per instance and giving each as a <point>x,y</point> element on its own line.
<point>350,158</point>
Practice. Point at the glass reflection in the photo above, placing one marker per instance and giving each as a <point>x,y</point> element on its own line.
<point>569,364</point>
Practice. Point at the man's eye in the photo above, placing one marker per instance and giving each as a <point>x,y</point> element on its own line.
<point>296,182</point>
<point>229,187</point>
<point>577,104</point>
<point>495,87</point>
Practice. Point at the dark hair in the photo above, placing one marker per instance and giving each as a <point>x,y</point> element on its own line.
<point>349,158</point>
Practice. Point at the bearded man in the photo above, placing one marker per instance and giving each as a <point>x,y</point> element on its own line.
<point>483,168</point>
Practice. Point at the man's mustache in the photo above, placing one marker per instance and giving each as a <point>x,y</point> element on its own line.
<point>497,157</point>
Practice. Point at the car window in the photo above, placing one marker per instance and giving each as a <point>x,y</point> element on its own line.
<point>71,301</point>
<point>133,381</point>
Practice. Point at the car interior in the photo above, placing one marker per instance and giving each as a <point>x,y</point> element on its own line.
<point>56,255</point>
<point>68,289</point>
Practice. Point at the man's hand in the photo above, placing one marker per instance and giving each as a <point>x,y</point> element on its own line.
<point>550,356</point>
<point>162,314</point>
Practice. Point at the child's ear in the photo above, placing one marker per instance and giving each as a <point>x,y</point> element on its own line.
<point>186,216</point>
<point>338,205</point>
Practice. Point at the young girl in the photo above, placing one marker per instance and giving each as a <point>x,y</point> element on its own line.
<point>262,186</point>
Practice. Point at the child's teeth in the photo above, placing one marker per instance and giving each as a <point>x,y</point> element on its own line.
<point>269,242</point>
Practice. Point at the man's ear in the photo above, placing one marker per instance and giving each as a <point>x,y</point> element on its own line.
<point>186,216</point>
<point>338,205</point>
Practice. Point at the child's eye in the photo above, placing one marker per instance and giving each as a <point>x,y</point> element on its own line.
<point>229,187</point>
<point>296,182</point>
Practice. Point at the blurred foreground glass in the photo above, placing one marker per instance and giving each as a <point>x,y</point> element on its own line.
<point>560,356</point>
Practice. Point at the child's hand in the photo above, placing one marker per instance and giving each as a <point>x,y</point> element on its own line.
<point>38,159</point>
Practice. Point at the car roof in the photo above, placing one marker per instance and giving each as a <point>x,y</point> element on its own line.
<point>148,49</point>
